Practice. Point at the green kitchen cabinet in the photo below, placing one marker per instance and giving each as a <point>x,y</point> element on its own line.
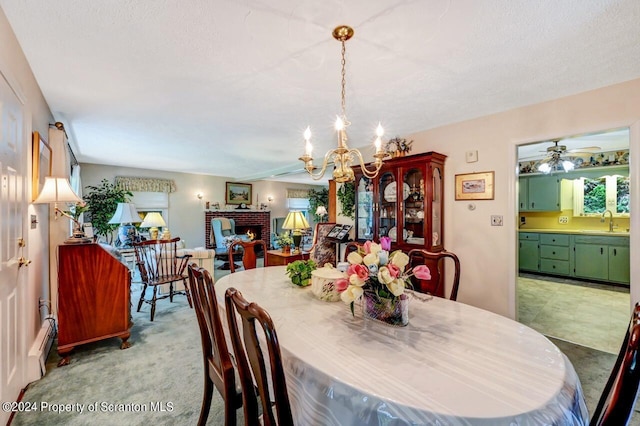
<point>539,193</point>
<point>619,264</point>
<point>528,255</point>
<point>592,261</point>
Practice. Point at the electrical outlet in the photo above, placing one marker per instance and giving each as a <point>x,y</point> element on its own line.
<point>496,220</point>
<point>563,220</point>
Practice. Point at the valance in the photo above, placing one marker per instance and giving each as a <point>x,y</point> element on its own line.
<point>297,193</point>
<point>145,184</point>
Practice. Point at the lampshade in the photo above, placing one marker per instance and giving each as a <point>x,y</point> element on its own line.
<point>295,220</point>
<point>57,189</point>
<point>125,213</point>
<point>152,220</point>
<point>321,211</point>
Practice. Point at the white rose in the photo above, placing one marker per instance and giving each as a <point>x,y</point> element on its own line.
<point>351,294</point>
<point>354,258</point>
<point>370,259</point>
<point>384,276</point>
<point>374,248</point>
<point>396,287</point>
<point>399,259</point>
<point>356,281</point>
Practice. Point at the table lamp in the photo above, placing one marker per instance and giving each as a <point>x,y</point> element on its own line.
<point>152,221</point>
<point>296,221</point>
<point>125,215</point>
<point>321,211</point>
<point>58,190</point>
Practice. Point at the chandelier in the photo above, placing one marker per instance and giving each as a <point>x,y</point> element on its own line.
<point>343,157</point>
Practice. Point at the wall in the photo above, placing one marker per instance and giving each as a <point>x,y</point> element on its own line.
<point>186,211</point>
<point>488,254</point>
<point>16,70</point>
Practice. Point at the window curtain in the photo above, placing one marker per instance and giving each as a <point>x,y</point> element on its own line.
<point>145,184</point>
<point>297,193</point>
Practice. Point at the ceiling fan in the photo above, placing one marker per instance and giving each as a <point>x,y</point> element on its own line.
<point>554,160</point>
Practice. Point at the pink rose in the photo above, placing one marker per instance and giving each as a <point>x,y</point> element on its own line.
<point>394,271</point>
<point>361,271</point>
<point>385,243</point>
<point>367,247</point>
<point>422,272</point>
<point>341,284</point>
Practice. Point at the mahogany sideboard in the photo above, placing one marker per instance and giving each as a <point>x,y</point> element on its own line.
<point>93,297</point>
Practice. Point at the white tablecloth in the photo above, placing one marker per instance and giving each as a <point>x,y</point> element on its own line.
<point>454,364</point>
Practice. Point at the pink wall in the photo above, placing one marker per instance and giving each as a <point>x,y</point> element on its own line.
<point>488,254</point>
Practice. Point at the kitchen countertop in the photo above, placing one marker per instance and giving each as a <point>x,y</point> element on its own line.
<point>615,233</point>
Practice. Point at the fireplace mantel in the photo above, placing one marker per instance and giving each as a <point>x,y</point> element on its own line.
<point>241,218</point>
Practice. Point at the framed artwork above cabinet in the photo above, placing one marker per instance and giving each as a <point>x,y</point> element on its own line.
<point>404,202</point>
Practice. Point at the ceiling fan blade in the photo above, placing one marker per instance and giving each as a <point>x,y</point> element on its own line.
<point>586,149</point>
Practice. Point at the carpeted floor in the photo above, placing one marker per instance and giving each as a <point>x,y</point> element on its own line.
<point>162,373</point>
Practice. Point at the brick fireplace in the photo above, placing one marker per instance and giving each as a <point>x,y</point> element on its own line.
<point>258,222</point>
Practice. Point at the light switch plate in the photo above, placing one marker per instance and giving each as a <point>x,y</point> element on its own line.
<point>496,220</point>
<point>471,156</point>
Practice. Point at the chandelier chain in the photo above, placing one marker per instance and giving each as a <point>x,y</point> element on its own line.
<point>344,82</point>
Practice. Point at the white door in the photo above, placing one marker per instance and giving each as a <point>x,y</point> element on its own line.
<point>13,354</point>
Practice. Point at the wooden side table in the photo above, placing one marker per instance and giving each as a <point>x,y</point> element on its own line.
<point>277,257</point>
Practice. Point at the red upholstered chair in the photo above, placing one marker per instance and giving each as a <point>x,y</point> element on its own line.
<point>218,366</point>
<point>251,363</point>
<point>323,250</point>
<point>435,262</point>
<point>159,263</point>
<point>250,251</point>
<point>618,398</point>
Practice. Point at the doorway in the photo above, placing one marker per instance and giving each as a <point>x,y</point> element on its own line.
<point>553,293</point>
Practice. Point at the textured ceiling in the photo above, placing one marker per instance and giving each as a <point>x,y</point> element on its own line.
<point>227,87</point>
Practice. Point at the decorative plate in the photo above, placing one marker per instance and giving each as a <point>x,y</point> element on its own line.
<point>390,192</point>
<point>393,234</point>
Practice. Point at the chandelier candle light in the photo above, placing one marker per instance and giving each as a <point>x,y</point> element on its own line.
<point>343,157</point>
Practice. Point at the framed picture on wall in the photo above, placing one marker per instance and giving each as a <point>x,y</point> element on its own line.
<point>474,186</point>
<point>41,163</point>
<point>238,193</point>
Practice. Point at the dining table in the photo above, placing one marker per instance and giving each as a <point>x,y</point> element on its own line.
<point>453,364</point>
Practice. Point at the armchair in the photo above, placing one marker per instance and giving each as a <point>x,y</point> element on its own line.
<point>220,234</point>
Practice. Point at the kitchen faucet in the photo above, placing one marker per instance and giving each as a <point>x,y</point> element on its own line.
<point>610,219</point>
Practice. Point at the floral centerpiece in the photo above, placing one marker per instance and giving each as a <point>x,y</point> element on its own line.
<point>284,240</point>
<point>380,279</point>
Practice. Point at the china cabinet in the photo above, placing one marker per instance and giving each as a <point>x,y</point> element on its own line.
<point>404,202</point>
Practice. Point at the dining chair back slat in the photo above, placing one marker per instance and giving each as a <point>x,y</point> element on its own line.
<point>251,362</point>
<point>436,263</point>
<point>218,365</point>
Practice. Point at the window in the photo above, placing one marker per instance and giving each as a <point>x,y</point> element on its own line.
<point>594,195</point>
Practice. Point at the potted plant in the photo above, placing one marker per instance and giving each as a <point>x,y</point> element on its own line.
<point>102,202</point>
<point>300,272</point>
<point>284,240</point>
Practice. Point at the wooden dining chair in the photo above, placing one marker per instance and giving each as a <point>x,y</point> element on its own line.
<point>250,359</point>
<point>218,365</point>
<point>618,398</point>
<point>350,248</point>
<point>435,262</point>
<point>250,251</point>
<point>159,263</point>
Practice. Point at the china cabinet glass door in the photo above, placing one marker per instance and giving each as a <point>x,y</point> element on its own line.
<point>437,208</point>
<point>387,202</point>
<point>413,206</point>
<point>364,197</point>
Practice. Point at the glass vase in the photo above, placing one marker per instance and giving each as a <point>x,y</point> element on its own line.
<point>393,311</point>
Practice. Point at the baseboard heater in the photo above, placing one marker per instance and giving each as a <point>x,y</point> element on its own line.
<point>36,364</point>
